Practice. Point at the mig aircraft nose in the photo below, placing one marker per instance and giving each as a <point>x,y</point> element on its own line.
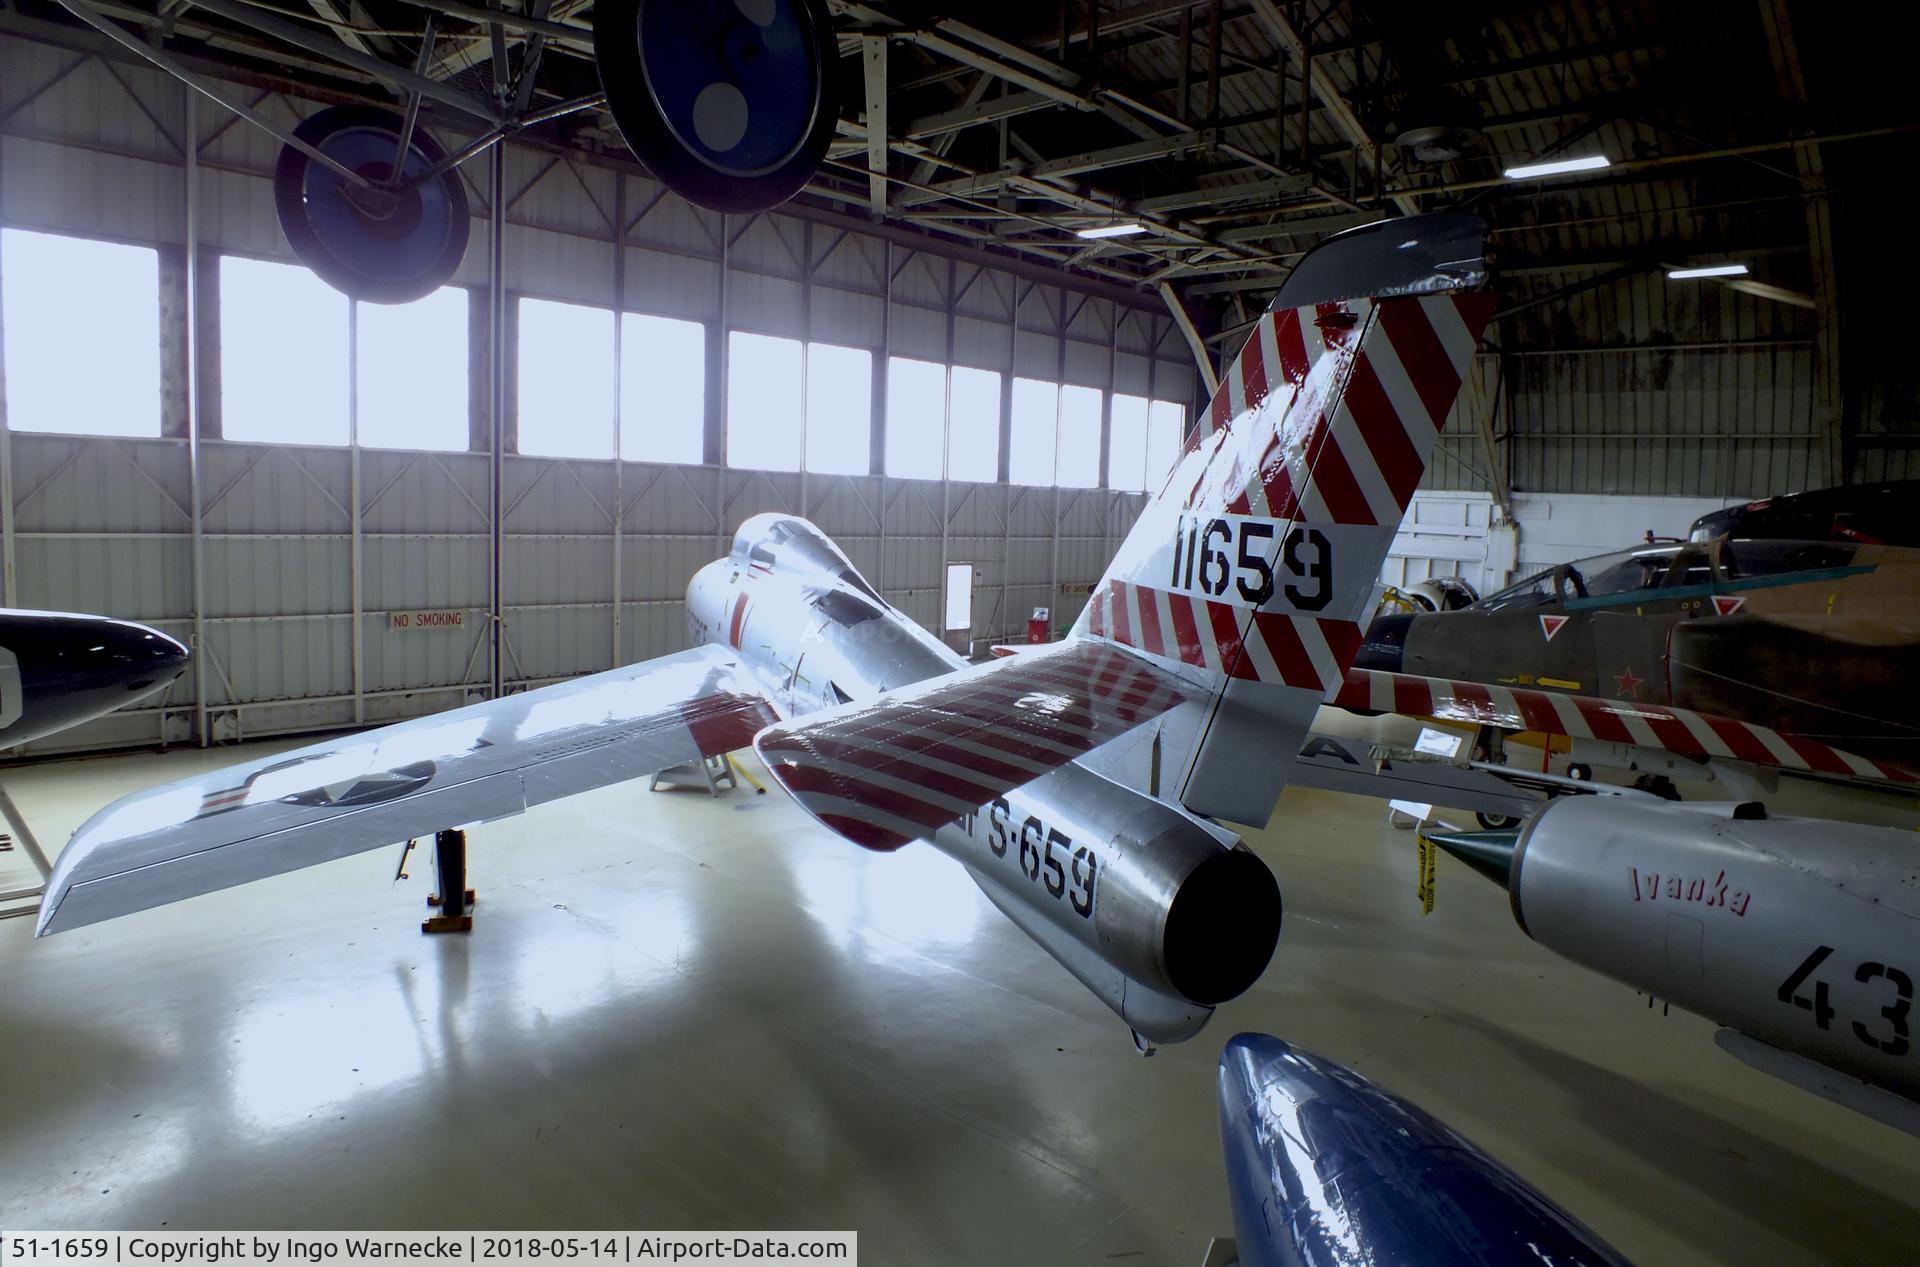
<point>74,668</point>
<point>132,660</point>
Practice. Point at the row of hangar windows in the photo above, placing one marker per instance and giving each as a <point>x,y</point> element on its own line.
<point>82,356</point>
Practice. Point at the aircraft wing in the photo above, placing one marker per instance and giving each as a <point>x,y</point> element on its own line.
<point>1621,721</point>
<point>900,766</point>
<point>344,796</point>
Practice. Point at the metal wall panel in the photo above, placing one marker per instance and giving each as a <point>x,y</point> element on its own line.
<point>103,525</point>
<point>916,331</point>
<point>846,317</point>
<point>1646,386</point>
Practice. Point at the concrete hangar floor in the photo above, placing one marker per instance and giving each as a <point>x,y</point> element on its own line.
<point>677,1012</point>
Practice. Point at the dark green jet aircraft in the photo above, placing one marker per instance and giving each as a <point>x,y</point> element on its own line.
<point>1794,653</point>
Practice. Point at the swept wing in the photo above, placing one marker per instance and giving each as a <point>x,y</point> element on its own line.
<point>345,796</point>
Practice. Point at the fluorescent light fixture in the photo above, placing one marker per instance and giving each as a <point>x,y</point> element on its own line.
<point>1592,162</point>
<point>1710,270</point>
<point>1111,230</point>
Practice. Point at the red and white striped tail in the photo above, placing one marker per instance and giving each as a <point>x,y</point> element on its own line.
<point>1256,562</point>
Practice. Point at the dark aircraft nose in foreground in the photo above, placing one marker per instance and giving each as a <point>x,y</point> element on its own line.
<point>58,670</point>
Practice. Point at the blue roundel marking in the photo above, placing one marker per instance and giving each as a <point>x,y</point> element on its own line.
<point>408,240</point>
<point>739,95</point>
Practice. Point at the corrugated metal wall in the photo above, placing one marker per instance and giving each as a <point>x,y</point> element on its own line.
<point>597,554</point>
<point>1647,386</point>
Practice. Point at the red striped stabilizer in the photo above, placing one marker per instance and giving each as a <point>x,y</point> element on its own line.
<point>899,768</point>
<point>1670,729</point>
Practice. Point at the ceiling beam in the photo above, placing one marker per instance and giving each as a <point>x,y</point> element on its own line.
<point>1322,86</point>
<point>1194,342</point>
<point>873,56</point>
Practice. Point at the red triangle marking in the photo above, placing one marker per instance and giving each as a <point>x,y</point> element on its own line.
<point>1550,625</point>
<point>1726,605</point>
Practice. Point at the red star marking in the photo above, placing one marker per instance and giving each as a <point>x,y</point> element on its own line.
<point>1629,684</point>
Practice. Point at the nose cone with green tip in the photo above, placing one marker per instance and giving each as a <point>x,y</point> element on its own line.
<point>1488,852</point>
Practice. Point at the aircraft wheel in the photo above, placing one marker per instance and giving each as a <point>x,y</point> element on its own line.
<point>1497,822</point>
<point>730,103</point>
<point>387,246</point>
<point>1580,770</point>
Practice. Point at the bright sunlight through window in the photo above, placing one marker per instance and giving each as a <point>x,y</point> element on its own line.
<point>283,354</point>
<point>73,308</point>
<point>916,417</point>
<point>839,409</point>
<point>973,425</point>
<point>663,389</point>
<point>1166,424</point>
<point>1036,431</point>
<point>1079,437</point>
<point>413,373</point>
<point>764,402</point>
<point>1127,447</point>
<point>566,380</point>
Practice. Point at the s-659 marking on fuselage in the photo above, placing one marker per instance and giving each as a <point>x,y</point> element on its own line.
<point>1043,854</point>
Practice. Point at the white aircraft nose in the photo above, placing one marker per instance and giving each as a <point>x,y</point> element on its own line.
<point>706,603</point>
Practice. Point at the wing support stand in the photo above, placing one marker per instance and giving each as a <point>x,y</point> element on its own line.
<point>24,834</point>
<point>451,894</point>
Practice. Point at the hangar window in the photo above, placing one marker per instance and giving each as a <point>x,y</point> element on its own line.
<point>765,383</point>
<point>1127,446</point>
<point>283,354</point>
<point>973,425</point>
<point>1166,424</point>
<point>1079,463</point>
<point>839,422</point>
<point>566,380</point>
<point>1036,431</point>
<point>663,389</point>
<point>916,417</point>
<point>959,597</point>
<point>412,365</point>
<point>72,305</point>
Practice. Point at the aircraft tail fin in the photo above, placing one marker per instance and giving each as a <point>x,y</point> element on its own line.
<point>1252,569</point>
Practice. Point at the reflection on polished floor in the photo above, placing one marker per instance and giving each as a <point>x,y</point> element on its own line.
<point>677,1012</point>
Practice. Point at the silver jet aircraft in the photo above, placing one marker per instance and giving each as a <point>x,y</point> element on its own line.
<point>1231,611</point>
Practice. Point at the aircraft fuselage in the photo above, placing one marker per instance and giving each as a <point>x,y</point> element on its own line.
<point>58,670</point>
<point>1808,638</point>
<point>1138,899</point>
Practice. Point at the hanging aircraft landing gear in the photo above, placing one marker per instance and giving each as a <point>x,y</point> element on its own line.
<point>393,239</point>
<point>730,105</point>
<point>1497,822</point>
<point>451,893</point>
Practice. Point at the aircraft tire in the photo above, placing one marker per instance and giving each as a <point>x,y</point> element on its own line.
<point>731,105</point>
<point>390,252</point>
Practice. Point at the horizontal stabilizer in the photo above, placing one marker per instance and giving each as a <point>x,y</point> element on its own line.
<point>899,767</point>
<point>1620,721</point>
